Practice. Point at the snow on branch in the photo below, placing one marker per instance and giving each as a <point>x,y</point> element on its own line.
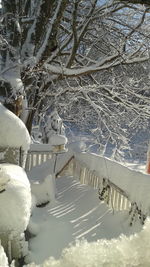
<point>109,62</point>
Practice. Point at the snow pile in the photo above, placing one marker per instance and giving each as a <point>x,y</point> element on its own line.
<point>13,132</point>
<point>124,251</point>
<point>12,76</point>
<point>57,140</point>
<point>40,147</point>
<point>134,183</point>
<point>54,125</point>
<point>43,191</point>
<point>77,147</point>
<point>3,258</point>
<point>15,199</point>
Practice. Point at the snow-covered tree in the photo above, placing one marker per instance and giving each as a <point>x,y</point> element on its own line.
<point>53,126</point>
<point>55,49</point>
<point>142,2</point>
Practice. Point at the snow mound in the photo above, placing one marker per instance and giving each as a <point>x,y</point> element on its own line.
<point>13,132</point>
<point>124,251</point>
<point>77,147</point>
<point>43,191</point>
<point>57,139</point>
<point>3,258</point>
<point>15,199</point>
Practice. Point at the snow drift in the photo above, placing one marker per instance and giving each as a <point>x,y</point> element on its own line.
<point>124,251</point>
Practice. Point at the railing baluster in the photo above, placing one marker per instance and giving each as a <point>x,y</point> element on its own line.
<point>117,199</point>
<point>36,158</point>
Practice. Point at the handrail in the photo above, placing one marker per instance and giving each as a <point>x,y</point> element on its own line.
<point>36,158</point>
<point>108,192</point>
<point>116,198</point>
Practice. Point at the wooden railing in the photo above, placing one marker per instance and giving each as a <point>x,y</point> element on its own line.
<point>108,192</point>
<point>37,157</point>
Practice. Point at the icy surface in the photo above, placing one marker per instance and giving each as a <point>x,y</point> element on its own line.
<point>13,132</point>
<point>15,198</point>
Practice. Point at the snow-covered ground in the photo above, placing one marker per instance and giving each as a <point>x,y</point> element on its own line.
<point>76,214</point>
<point>77,221</point>
<point>122,252</point>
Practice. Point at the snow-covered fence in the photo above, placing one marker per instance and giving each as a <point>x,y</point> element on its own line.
<point>120,187</point>
<point>108,192</point>
<point>37,155</point>
<point>134,184</point>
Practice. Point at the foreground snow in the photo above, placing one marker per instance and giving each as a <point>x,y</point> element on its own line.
<point>15,209</point>
<point>77,230</point>
<point>3,257</point>
<point>76,214</point>
<point>15,198</point>
<point>122,252</point>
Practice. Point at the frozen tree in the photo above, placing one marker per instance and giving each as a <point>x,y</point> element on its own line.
<point>142,2</point>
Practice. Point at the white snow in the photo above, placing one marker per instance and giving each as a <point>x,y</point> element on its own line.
<point>57,139</point>
<point>44,191</point>
<point>76,214</point>
<point>76,221</point>
<point>15,198</point>
<point>134,183</point>
<point>12,75</point>
<point>122,252</point>
<point>3,258</point>
<point>13,132</point>
<point>40,147</point>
